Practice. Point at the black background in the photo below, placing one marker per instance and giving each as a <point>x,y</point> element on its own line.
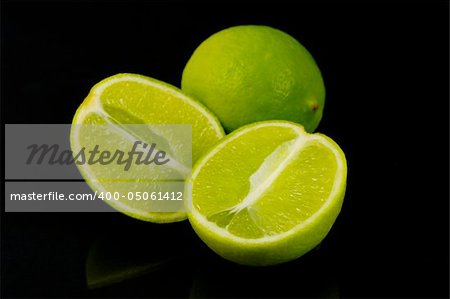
<point>385,66</point>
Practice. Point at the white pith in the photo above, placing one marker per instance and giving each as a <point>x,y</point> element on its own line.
<point>257,188</point>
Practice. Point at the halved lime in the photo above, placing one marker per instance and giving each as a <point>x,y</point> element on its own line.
<point>267,193</point>
<point>143,103</point>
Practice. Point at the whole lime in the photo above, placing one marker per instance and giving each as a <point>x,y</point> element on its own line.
<point>252,73</point>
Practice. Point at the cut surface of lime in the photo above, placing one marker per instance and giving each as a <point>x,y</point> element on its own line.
<point>126,108</point>
<point>267,193</point>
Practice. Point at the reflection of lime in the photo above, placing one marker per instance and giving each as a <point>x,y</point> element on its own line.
<point>134,99</point>
<point>107,265</point>
<point>252,73</point>
<point>267,193</point>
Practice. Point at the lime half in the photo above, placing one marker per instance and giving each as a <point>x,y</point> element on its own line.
<point>145,103</point>
<point>267,193</point>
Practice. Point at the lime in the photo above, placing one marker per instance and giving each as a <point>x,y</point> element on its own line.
<point>252,73</point>
<point>144,103</point>
<point>267,193</point>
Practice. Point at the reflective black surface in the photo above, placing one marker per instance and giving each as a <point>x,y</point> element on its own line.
<point>385,66</point>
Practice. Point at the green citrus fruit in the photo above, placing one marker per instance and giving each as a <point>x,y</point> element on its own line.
<point>135,99</point>
<point>267,193</point>
<point>251,73</point>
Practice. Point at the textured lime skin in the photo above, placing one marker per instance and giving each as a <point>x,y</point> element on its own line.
<point>252,73</point>
<point>291,245</point>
